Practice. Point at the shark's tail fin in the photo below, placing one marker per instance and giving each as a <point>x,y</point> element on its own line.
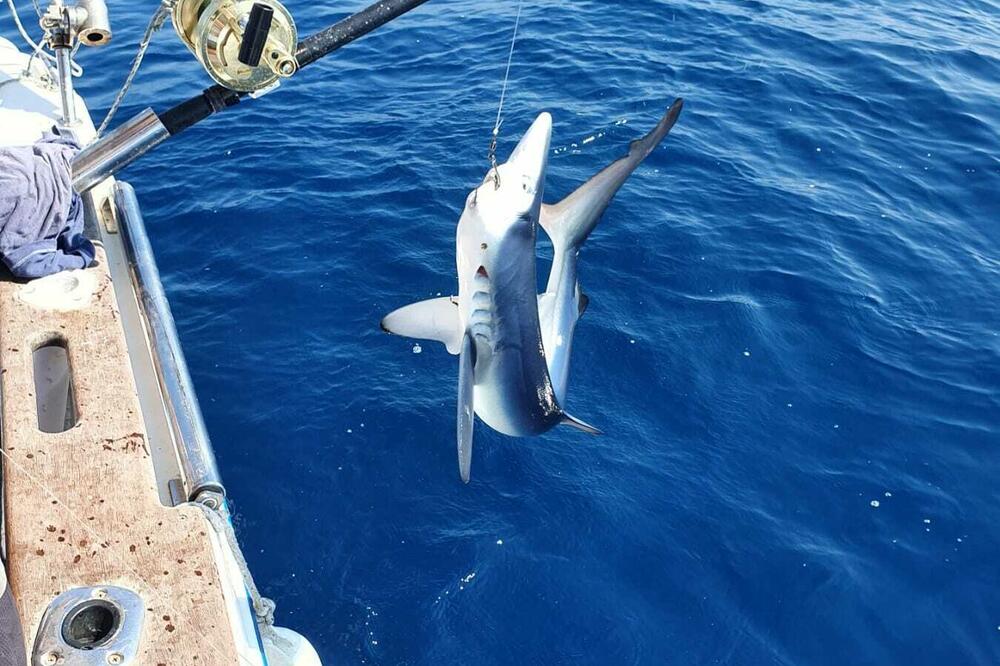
<point>569,222</point>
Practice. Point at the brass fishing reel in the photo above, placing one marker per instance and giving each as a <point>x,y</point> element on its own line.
<point>245,45</point>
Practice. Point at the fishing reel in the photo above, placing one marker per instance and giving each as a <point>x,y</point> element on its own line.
<point>245,45</point>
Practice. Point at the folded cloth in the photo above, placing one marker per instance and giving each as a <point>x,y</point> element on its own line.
<point>41,215</point>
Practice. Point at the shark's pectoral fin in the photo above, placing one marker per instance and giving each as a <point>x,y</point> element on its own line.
<point>466,408</point>
<point>434,319</point>
<point>574,422</point>
<point>583,301</point>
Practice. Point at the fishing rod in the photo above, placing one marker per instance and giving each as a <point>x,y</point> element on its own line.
<point>247,46</point>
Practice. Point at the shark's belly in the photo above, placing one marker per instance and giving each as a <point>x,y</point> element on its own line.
<point>516,406</point>
<point>513,392</point>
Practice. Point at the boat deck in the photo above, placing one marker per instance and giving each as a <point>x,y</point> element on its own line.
<point>81,506</point>
<point>84,493</point>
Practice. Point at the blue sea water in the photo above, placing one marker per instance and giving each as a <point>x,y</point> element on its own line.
<point>793,342</point>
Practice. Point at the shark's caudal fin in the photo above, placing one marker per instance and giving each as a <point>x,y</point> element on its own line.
<point>435,319</point>
<point>574,422</point>
<point>466,408</point>
<point>569,222</point>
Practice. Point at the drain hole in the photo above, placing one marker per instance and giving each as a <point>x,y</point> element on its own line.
<point>54,402</point>
<point>91,624</point>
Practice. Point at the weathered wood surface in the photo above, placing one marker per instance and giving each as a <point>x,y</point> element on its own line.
<point>82,506</point>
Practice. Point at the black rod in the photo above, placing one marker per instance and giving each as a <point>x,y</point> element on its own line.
<point>115,151</point>
<point>357,25</point>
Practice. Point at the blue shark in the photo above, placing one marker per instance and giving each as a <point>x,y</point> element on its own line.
<point>513,344</point>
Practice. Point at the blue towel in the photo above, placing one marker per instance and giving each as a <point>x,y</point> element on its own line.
<point>41,215</point>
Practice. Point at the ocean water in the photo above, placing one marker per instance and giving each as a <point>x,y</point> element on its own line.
<point>793,342</point>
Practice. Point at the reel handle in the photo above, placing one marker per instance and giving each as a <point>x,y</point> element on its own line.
<point>255,34</point>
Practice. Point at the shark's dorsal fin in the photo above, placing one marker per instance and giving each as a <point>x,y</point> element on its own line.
<point>574,422</point>
<point>466,409</point>
<point>569,222</point>
<point>434,319</point>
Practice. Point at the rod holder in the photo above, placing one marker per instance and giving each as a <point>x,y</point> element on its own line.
<point>96,27</point>
<point>127,143</point>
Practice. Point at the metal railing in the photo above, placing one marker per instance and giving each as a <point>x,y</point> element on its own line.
<point>201,475</point>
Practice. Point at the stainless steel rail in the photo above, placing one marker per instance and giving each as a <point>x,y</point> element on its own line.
<point>201,475</point>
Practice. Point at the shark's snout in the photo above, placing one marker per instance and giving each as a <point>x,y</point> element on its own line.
<point>531,154</point>
<point>514,189</point>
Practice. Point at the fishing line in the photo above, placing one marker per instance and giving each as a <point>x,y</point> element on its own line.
<point>503,94</point>
<point>155,23</point>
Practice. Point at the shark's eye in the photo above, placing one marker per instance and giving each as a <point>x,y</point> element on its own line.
<point>483,246</point>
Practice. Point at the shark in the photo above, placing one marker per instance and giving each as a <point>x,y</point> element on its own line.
<point>513,344</point>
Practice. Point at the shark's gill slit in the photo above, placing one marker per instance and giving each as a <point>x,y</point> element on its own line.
<point>55,403</point>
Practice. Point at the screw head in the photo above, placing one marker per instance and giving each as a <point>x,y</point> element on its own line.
<point>50,658</point>
<point>115,658</point>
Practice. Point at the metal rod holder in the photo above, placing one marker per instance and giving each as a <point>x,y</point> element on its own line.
<point>124,145</point>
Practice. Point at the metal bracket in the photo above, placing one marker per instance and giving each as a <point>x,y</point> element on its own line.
<point>108,214</point>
